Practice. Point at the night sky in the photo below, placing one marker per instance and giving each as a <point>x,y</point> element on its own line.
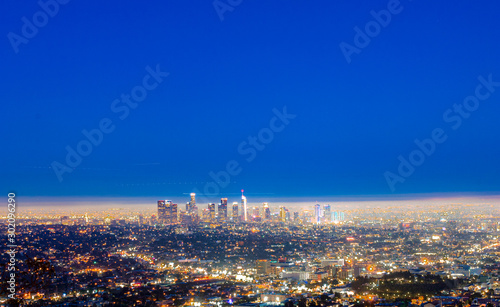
<point>166,92</point>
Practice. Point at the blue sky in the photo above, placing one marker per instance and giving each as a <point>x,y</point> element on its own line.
<point>353,120</point>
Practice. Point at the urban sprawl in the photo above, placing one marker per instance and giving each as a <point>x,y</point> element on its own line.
<point>235,254</point>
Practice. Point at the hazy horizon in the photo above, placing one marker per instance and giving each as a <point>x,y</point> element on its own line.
<point>353,202</point>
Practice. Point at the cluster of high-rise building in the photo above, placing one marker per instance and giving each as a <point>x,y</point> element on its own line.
<point>326,215</point>
<point>168,213</point>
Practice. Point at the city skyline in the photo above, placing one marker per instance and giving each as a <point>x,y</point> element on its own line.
<point>275,202</point>
<point>435,255</point>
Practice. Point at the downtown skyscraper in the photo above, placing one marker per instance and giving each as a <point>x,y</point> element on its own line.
<point>236,216</point>
<point>317,214</point>
<point>327,213</point>
<point>211,209</point>
<point>191,205</point>
<point>222,212</point>
<point>244,206</point>
<point>266,212</point>
<point>167,212</point>
<point>162,211</point>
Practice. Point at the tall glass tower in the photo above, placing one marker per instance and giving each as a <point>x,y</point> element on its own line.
<point>244,206</point>
<point>223,209</point>
<point>235,212</point>
<point>317,214</point>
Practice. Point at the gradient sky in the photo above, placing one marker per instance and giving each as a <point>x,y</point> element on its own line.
<point>225,78</point>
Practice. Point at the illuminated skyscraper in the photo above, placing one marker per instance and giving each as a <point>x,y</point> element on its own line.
<point>338,216</point>
<point>173,213</point>
<point>317,214</point>
<point>223,209</point>
<point>211,209</point>
<point>282,214</point>
<point>267,211</point>
<point>168,211</point>
<point>244,206</point>
<point>327,214</point>
<point>235,212</point>
<point>192,203</point>
<point>162,211</point>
